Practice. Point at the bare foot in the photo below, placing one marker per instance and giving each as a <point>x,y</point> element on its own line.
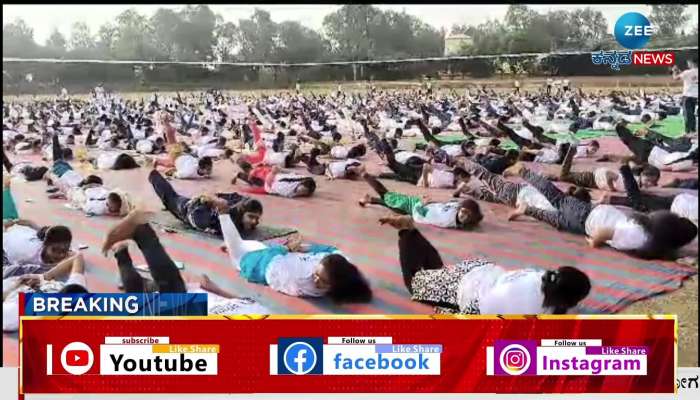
<point>365,200</point>
<point>517,213</point>
<point>400,222</point>
<point>125,228</point>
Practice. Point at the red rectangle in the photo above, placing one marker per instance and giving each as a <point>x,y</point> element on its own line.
<point>244,358</point>
<point>666,58</point>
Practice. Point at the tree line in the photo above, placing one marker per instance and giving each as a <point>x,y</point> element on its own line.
<point>353,32</point>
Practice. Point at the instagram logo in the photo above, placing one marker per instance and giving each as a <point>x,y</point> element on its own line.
<point>514,359</point>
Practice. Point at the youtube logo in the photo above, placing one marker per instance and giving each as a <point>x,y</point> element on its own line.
<point>76,358</point>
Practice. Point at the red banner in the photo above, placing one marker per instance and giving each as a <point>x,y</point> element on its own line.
<point>330,354</point>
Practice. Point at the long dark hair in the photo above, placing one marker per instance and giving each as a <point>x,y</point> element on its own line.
<point>667,231</point>
<point>564,288</point>
<point>55,234</point>
<point>244,206</point>
<point>347,285</point>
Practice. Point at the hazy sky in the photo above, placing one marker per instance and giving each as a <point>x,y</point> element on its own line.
<point>44,18</point>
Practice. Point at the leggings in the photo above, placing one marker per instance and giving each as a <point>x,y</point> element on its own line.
<point>429,137</point>
<point>6,161</point>
<point>505,192</point>
<point>237,247</point>
<point>671,145</point>
<point>381,191</point>
<point>416,254</point>
<point>410,173</point>
<point>584,179</point>
<point>519,140</point>
<point>643,202</point>
<point>571,212</point>
<point>639,147</point>
<point>56,152</point>
<point>538,133</point>
<point>166,276</point>
<point>172,201</point>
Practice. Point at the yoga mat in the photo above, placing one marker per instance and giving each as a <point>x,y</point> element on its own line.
<point>262,233</point>
<point>9,210</point>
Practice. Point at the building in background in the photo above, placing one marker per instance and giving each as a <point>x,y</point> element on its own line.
<point>454,42</point>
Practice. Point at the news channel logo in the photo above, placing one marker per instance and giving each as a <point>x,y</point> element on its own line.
<point>300,356</point>
<point>633,30</point>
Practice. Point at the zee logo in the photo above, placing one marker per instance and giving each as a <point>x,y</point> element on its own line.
<point>633,30</point>
<point>300,356</point>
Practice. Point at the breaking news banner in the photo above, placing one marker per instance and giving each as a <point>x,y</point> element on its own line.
<point>344,354</point>
<point>114,304</point>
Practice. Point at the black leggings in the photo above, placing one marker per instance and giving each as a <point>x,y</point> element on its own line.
<point>506,192</point>
<point>381,190</point>
<point>689,105</point>
<point>519,140</point>
<point>571,212</point>
<point>172,201</point>
<point>639,147</point>
<point>416,254</point>
<point>410,173</point>
<point>6,161</point>
<point>643,202</point>
<point>428,136</point>
<point>166,276</point>
<point>56,151</point>
<point>538,133</point>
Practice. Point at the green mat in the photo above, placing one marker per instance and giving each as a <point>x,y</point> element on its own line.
<point>262,233</point>
<point>673,126</point>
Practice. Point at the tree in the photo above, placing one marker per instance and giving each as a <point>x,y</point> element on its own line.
<point>195,33</point>
<point>519,17</point>
<point>257,37</point>
<point>349,30</point>
<point>18,40</point>
<point>56,43</point>
<point>82,44</point>
<point>106,39</point>
<point>133,34</point>
<point>226,41</point>
<point>165,24</point>
<point>668,18</point>
<point>588,27</point>
<point>297,43</point>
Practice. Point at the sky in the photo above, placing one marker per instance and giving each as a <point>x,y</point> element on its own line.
<point>44,18</point>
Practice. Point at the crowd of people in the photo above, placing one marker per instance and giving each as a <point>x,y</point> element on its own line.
<point>281,145</point>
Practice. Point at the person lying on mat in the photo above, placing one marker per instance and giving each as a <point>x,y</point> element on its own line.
<point>654,153</point>
<point>477,286</point>
<point>51,281</point>
<point>486,186</point>
<point>657,235</point>
<point>201,212</point>
<point>28,248</point>
<point>296,269</point>
<point>465,214</point>
<point>273,180</point>
<point>165,276</point>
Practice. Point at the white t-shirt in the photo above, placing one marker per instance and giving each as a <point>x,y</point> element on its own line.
<point>274,158</point>
<point>686,206</point>
<point>501,292</point>
<point>339,152</point>
<point>20,244</point>
<point>144,146</point>
<point>452,150</point>
<point>70,179</point>
<point>106,160</point>
<point>530,196</point>
<point>443,215</point>
<point>187,167</point>
<point>403,156</point>
<point>659,157</point>
<point>627,234</point>
<point>601,179</point>
<point>284,188</point>
<point>547,156</point>
<point>337,169</point>
<point>292,274</point>
<point>441,179</point>
<point>690,82</point>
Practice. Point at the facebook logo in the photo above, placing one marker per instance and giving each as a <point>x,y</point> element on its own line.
<point>300,356</point>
